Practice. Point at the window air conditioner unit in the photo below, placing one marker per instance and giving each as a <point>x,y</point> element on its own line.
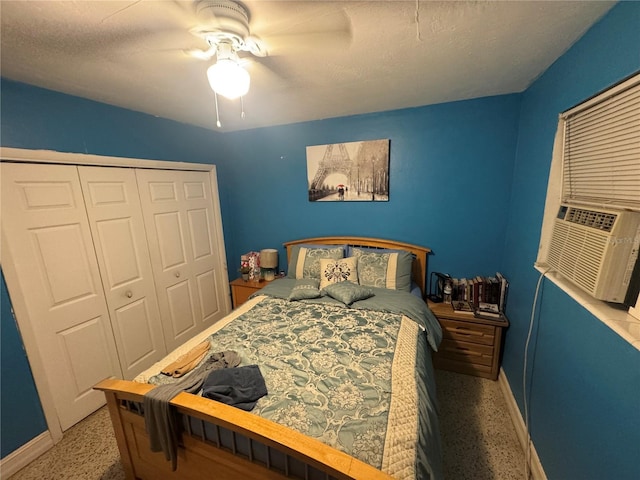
<point>596,249</point>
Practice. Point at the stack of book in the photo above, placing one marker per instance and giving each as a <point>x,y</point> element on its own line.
<point>484,297</point>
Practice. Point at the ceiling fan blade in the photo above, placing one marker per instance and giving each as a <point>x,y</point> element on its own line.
<point>201,54</point>
<point>155,16</point>
<point>186,7</point>
<point>304,43</point>
<point>301,27</point>
<point>264,77</point>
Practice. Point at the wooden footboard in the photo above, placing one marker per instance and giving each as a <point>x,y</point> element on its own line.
<point>224,440</point>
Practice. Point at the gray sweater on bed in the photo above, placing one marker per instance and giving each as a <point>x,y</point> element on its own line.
<point>240,387</point>
<point>160,419</point>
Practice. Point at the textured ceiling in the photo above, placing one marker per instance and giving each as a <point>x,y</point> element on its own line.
<point>326,58</point>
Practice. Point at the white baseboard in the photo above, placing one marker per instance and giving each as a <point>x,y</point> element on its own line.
<point>25,455</point>
<point>535,466</point>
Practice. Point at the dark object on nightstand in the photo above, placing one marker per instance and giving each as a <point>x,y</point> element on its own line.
<point>437,284</point>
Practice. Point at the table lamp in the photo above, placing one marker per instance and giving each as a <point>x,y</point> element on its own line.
<point>269,263</point>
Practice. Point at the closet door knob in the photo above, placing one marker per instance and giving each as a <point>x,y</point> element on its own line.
<point>129,294</point>
<point>177,274</point>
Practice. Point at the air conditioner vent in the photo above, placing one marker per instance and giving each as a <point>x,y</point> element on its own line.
<point>602,221</point>
<point>596,250</point>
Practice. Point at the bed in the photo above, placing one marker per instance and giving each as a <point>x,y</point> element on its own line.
<point>350,379</point>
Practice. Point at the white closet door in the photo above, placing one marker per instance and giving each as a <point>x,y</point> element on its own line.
<point>113,206</point>
<point>47,234</point>
<point>180,223</point>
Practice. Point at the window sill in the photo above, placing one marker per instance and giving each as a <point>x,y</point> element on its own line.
<point>619,320</point>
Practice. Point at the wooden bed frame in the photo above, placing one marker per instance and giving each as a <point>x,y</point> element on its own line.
<point>234,444</point>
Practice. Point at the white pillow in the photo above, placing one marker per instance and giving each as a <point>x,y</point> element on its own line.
<point>338,270</point>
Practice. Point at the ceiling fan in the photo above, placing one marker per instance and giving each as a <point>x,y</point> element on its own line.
<point>284,28</point>
<point>226,30</point>
<point>225,27</point>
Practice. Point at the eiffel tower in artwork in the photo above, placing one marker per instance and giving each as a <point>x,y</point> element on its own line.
<point>335,160</point>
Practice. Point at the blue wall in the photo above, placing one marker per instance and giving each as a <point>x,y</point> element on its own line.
<point>21,416</point>
<point>36,118</point>
<point>467,179</point>
<point>585,420</point>
<point>450,175</point>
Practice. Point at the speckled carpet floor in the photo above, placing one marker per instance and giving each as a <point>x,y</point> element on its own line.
<point>478,439</point>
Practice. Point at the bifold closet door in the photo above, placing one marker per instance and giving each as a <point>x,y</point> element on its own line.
<point>115,217</point>
<point>46,233</point>
<point>178,212</point>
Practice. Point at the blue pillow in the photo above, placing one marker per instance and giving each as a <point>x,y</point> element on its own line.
<point>347,292</point>
<point>304,261</point>
<point>305,288</point>
<point>391,270</point>
<point>349,252</point>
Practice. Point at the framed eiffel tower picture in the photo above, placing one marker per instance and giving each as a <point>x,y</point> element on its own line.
<point>349,172</point>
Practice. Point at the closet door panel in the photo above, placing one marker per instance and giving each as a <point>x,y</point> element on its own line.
<point>118,245</point>
<point>136,324</point>
<point>202,245</point>
<point>171,257</point>
<point>197,191</point>
<point>83,346</point>
<point>115,216</point>
<point>168,231</point>
<point>181,308</point>
<point>208,304</point>
<point>47,235</point>
<point>200,236</point>
<point>67,271</point>
<point>178,213</point>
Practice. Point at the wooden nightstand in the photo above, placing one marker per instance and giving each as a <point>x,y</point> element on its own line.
<point>241,290</point>
<point>469,345</point>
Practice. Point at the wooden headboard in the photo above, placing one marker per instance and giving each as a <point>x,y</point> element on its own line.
<point>419,264</point>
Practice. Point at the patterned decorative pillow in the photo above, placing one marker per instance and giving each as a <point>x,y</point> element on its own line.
<point>347,292</point>
<point>384,270</point>
<point>305,288</point>
<point>349,251</point>
<point>304,262</point>
<point>333,271</point>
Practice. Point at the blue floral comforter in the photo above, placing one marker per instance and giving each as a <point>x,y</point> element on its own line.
<point>358,379</point>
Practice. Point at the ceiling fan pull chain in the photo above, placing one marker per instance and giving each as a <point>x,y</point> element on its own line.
<point>242,107</point>
<point>219,125</point>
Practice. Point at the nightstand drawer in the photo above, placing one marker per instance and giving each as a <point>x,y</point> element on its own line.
<point>467,332</point>
<point>455,365</point>
<point>241,295</point>
<point>470,344</point>
<point>464,351</point>
<point>241,290</point>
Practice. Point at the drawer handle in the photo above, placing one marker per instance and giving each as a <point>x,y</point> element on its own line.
<point>129,294</point>
<point>468,332</point>
<point>466,351</point>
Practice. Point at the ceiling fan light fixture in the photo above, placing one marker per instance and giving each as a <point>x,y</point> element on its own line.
<point>228,78</point>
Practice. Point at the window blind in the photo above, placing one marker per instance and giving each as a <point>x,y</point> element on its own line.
<point>601,156</point>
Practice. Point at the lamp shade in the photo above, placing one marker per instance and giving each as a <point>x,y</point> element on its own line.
<point>269,258</point>
<point>228,79</point>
